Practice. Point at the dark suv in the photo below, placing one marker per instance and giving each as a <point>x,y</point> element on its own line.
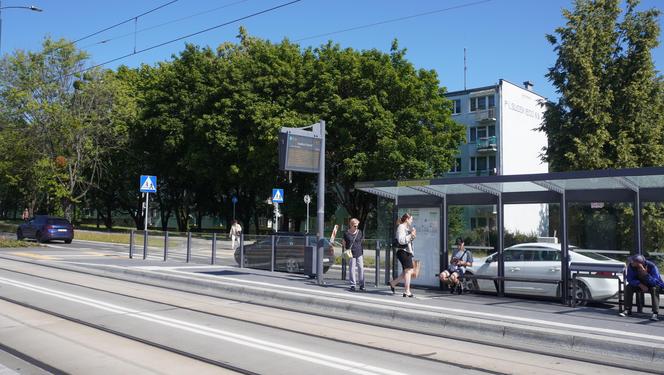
<point>288,252</point>
<point>46,228</point>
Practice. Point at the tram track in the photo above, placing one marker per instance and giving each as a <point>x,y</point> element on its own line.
<point>274,326</point>
<point>425,357</point>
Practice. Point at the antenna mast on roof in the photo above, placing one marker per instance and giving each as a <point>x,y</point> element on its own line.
<point>465,68</point>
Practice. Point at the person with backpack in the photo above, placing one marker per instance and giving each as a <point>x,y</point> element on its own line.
<point>404,237</point>
<point>461,258</point>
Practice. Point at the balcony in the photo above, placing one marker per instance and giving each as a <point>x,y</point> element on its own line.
<point>487,145</point>
<point>486,116</point>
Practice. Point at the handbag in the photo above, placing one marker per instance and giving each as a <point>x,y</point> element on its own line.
<point>417,264</point>
<point>348,253</point>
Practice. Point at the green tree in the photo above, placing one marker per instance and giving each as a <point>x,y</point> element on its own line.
<point>609,114</point>
<point>65,121</point>
<point>609,111</point>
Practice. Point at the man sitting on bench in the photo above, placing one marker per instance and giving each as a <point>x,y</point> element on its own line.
<point>642,275</point>
<point>461,258</point>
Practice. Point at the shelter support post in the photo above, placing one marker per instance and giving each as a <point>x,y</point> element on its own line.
<point>500,212</point>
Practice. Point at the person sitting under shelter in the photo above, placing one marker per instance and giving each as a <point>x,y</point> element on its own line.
<point>461,258</point>
<point>642,275</point>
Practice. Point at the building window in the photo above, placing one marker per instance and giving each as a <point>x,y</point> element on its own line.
<point>483,163</point>
<point>479,132</point>
<point>480,103</point>
<point>456,167</point>
<point>456,106</point>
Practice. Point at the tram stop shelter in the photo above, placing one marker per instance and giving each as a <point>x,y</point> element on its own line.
<point>635,186</point>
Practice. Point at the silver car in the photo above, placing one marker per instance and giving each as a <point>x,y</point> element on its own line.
<point>541,260</point>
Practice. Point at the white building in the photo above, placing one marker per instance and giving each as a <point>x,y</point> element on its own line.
<point>502,138</point>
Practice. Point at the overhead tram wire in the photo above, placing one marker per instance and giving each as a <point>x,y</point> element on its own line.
<point>116,25</point>
<point>123,22</point>
<point>393,20</point>
<point>187,36</point>
<point>163,24</point>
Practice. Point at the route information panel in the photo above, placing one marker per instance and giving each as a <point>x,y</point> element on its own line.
<point>299,153</point>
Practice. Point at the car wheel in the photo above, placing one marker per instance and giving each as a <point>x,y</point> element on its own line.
<point>292,266</point>
<point>326,268</point>
<point>39,238</point>
<point>470,285</point>
<point>582,295</point>
<point>19,235</point>
<point>68,241</point>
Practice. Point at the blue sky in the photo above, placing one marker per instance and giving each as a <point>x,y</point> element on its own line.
<point>504,38</point>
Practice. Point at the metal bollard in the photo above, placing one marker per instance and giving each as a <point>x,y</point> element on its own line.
<point>377,261</point>
<point>242,250</point>
<point>394,264</point>
<point>272,255</point>
<point>343,267</point>
<point>214,248</point>
<point>131,244</point>
<point>188,247</point>
<point>145,244</point>
<point>165,246</point>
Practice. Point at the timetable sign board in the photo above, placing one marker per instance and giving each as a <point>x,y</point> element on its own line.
<point>299,153</point>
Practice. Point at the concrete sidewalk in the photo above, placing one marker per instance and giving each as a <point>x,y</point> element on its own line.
<point>593,333</point>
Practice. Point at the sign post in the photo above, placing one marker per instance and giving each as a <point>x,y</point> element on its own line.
<point>307,200</point>
<point>303,150</point>
<point>147,185</point>
<point>234,200</point>
<point>277,197</point>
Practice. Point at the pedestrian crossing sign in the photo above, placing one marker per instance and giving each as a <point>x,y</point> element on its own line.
<point>277,195</point>
<point>148,184</point>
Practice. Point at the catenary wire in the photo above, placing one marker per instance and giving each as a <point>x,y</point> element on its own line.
<point>186,36</point>
<point>163,24</point>
<point>123,22</point>
<point>113,26</point>
<point>393,20</point>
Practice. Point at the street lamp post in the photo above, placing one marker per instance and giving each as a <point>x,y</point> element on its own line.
<point>30,7</point>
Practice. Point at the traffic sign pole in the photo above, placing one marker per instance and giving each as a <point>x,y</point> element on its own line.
<point>147,195</point>
<point>321,205</point>
<point>147,185</point>
<point>307,200</point>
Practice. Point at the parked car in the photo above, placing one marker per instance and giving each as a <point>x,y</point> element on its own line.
<point>45,228</point>
<point>288,252</point>
<point>542,261</point>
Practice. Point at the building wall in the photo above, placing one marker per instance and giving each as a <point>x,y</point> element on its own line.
<point>518,113</point>
<point>521,113</point>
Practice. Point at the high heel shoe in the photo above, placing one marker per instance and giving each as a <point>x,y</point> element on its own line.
<point>392,288</point>
<point>409,295</point>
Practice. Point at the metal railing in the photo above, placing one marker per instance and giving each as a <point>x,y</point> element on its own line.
<point>487,144</point>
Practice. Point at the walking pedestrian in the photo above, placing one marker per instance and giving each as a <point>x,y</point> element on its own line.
<point>352,240</point>
<point>405,234</point>
<point>236,231</point>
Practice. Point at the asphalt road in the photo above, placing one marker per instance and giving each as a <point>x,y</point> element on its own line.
<point>80,323</point>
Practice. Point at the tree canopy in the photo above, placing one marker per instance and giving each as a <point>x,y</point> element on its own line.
<point>206,122</point>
